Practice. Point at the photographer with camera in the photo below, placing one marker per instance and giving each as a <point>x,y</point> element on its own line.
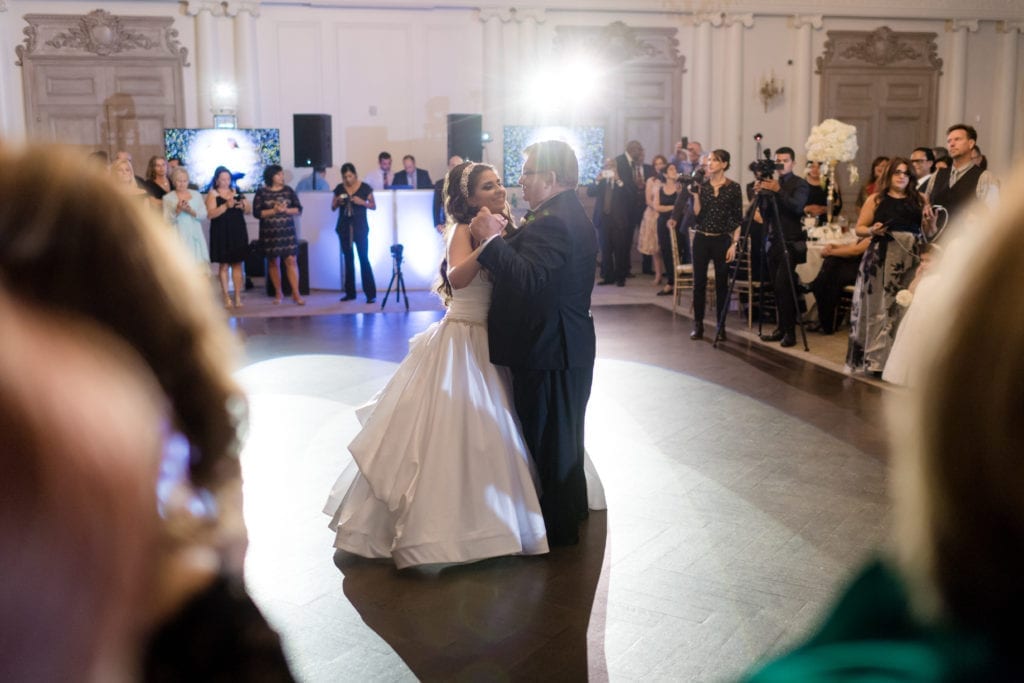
<point>352,199</point>
<point>718,207</point>
<point>791,192</point>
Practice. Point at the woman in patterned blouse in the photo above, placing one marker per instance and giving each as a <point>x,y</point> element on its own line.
<point>718,206</point>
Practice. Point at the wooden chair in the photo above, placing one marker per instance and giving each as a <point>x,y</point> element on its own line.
<point>750,291</point>
<point>682,273</point>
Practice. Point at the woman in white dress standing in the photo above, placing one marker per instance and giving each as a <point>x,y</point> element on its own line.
<point>444,475</point>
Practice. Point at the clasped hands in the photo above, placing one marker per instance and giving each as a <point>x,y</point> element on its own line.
<point>486,224</point>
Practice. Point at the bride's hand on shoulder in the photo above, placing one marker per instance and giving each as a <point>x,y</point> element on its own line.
<point>462,264</point>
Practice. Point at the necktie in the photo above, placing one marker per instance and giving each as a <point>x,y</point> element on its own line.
<point>387,185</point>
<point>639,175</point>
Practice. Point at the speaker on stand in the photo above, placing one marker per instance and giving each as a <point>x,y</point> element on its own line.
<point>464,136</point>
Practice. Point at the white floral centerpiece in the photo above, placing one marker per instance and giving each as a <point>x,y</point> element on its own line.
<point>830,142</point>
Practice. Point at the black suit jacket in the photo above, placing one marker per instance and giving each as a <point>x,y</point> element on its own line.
<point>543,278</point>
<point>421,182</point>
<point>637,202</point>
<point>791,199</point>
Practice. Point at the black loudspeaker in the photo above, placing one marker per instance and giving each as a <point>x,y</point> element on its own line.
<point>312,140</point>
<point>464,131</point>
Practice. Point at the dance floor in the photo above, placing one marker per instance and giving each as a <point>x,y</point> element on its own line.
<point>743,484</point>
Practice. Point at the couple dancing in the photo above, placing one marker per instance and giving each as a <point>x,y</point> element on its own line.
<point>474,448</point>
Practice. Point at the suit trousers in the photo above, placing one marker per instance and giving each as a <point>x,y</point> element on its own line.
<point>784,282</point>
<point>551,405</point>
<point>620,238</point>
<point>349,234</point>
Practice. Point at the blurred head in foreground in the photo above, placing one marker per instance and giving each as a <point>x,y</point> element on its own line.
<point>80,441</point>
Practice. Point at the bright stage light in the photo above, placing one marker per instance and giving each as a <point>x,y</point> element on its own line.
<point>570,86</point>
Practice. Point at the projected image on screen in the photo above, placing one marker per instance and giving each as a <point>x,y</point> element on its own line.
<point>243,151</point>
<point>587,141</point>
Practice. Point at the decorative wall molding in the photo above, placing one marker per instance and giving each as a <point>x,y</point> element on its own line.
<point>101,34</point>
<point>214,7</point>
<point>233,8</point>
<point>1010,27</point>
<point>746,20</point>
<point>713,18</point>
<point>954,25</point>
<point>619,43</point>
<point>502,14</point>
<point>815,21</point>
<point>881,47</point>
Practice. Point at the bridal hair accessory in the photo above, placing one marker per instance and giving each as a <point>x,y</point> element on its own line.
<point>464,180</point>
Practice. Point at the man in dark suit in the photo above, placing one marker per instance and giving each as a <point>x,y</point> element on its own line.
<point>626,208</point>
<point>410,176</point>
<point>541,328</point>
<point>790,191</point>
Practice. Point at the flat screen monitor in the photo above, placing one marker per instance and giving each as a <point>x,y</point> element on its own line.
<point>587,141</point>
<point>243,151</point>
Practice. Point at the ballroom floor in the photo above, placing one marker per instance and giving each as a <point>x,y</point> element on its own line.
<point>743,483</point>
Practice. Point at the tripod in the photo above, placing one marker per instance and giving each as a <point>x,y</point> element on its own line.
<point>396,276</point>
<point>765,204</point>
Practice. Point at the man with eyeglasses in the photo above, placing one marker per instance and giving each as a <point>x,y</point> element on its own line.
<point>922,160</point>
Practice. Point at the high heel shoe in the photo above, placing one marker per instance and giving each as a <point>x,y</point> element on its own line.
<point>227,301</point>
<point>238,301</point>
<point>299,300</point>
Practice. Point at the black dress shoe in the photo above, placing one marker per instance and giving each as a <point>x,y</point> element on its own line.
<point>371,300</point>
<point>347,298</point>
<point>773,336</point>
<point>698,331</point>
<point>722,336</point>
<point>620,283</point>
<point>788,339</point>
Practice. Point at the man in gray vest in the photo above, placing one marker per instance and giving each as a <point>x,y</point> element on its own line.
<point>955,187</point>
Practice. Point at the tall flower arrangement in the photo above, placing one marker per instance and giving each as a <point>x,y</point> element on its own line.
<point>830,142</point>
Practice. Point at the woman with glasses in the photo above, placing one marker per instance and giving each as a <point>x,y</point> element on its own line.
<point>893,217</point>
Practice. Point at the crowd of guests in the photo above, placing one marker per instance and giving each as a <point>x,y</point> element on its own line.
<point>903,207</point>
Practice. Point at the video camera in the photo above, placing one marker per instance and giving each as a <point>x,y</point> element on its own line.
<point>396,252</point>
<point>765,168</point>
<point>696,179</point>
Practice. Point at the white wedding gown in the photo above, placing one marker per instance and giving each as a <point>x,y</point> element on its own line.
<point>441,473</point>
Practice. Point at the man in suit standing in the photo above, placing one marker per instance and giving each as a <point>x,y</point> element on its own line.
<point>791,193</point>
<point>541,328</point>
<point>413,177</point>
<point>624,209</point>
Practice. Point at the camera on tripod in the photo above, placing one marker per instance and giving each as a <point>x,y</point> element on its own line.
<point>396,252</point>
<point>764,169</point>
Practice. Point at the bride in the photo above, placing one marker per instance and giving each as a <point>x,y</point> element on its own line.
<point>441,473</point>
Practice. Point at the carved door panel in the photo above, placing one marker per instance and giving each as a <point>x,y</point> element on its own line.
<point>103,82</point>
<point>886,85</point>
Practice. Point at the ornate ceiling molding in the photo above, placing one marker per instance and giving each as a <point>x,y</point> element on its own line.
<point>619,43</point>
<point>1010,27</point>
<point>102,34</point>
<point>746,20</point>
<point>881,47</point>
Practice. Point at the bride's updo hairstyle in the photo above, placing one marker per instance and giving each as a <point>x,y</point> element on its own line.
<point>459,185</point>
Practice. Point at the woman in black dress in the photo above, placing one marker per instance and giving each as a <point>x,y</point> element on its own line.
<point>893,218</point>
<point>718,206</point>
<point>276,205</point>
<point>354,198</point>
<point>667,194</point>
<point>229,239</point>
